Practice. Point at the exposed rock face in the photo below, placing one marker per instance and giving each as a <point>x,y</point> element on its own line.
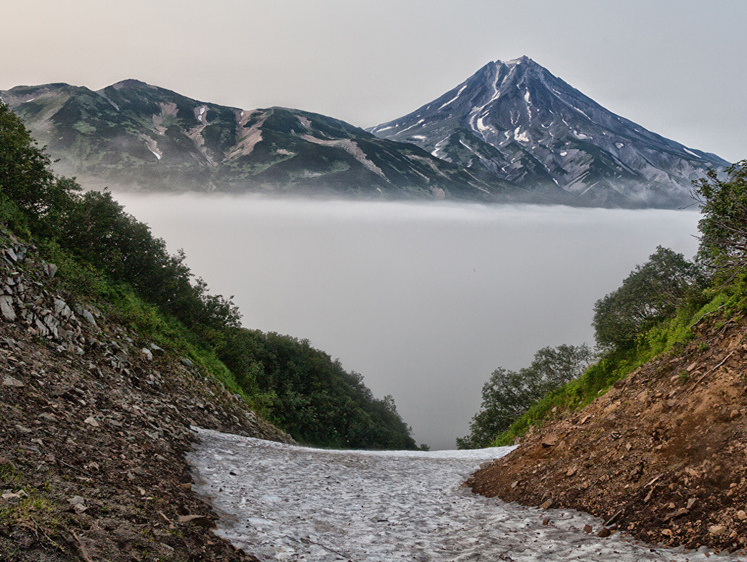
<point>526,126</point>
<point>662,455</point>
<point>94,432</point>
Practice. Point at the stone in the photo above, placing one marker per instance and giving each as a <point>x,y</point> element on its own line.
<point>78,503</point>
<point>691,502</point>
<point>88,316</point>
<point>571,471</point>
<point>741,515</point>
<point>62,309</point>
<point>546,504</point>
<point>155,348</point>
<point>717,529</point>
<point>604,532</point>
<point>550,440</point>
<point>147,353</point>
<point>6,307</point>
<point>10,381</point>
<point>90,420</point>
<point>11,254</point>
<point>200,520</point>
<point>51,270</point>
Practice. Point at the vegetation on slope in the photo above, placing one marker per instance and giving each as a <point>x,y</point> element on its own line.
<point>102,250</point>
<point>660,449</point>
<point>656,309</point>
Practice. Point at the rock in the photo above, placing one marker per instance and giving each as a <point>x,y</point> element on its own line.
<point>10,381</point>
<point>6,307</point>
<point>147,353</point>
<point>155,348</point>
<point>88,316</point>
<point>90,420</point>
<point>691,502</point>
<point>200,520</point>
<point>550,440</point>
<point>187,362</point>
<point>741,515</point>
<point>546,504</point>
<point>588,529</point>
<point>78,503</point>
<point>62,309</point>
<point>717,529</point>
<point>604,532</point>
<point>11,254</point>
<point>571,471</point>
<point>51,270</point>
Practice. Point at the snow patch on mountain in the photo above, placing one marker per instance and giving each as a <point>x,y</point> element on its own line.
<point>519,101</point>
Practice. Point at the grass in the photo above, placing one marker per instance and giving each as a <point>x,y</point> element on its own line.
<point>616,364</point>
<point>120,304</point>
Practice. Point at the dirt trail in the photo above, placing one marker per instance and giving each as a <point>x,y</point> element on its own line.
<point>662,455</point>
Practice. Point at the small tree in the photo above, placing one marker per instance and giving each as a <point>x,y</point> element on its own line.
<point>651,292</point>
<point>508,394</point>
<point>25,175</point>
<point>724,223</point>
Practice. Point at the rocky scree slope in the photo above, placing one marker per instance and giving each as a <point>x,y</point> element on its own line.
<point>524,125</point>
<point>661,456</point>
<point>95,426</point>
<point>139,136</point>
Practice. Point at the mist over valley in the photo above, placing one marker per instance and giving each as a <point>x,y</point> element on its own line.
<point>424,300</point>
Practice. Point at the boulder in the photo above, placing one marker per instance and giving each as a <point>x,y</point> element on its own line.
<point>6,308</point>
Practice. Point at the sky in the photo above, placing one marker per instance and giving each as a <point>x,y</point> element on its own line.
<point>675,67</point>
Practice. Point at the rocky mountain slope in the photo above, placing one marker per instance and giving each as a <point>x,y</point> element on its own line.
<point>135,135</point>
<point>661,456</point>
<point>96,422</point>
<point>526,126</point>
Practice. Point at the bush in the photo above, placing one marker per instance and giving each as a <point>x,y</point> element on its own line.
<point>651,293</point>
<point>723,244</point>
<point>509,394</point>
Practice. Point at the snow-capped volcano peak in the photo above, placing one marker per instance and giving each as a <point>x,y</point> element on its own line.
<point>525,125</point>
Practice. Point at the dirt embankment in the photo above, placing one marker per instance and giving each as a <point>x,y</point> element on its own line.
<point>662,456</point>
<point>94,425</point>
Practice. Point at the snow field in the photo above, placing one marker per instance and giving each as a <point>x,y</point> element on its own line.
<point>280,502</point>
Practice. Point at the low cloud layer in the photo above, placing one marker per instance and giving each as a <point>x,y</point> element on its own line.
<point>424,300</point>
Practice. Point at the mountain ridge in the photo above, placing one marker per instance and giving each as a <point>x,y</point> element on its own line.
<point>134,134</point>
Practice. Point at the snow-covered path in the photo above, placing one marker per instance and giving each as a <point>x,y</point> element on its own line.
<point>280,502</point>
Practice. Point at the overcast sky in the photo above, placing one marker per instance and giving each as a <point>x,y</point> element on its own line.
<point>676,67</point>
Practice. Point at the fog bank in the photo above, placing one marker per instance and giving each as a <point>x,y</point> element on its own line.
<point>425,300</point>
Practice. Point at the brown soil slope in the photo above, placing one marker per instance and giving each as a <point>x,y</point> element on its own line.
<point>661,456</point>
<point>94,424</point>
